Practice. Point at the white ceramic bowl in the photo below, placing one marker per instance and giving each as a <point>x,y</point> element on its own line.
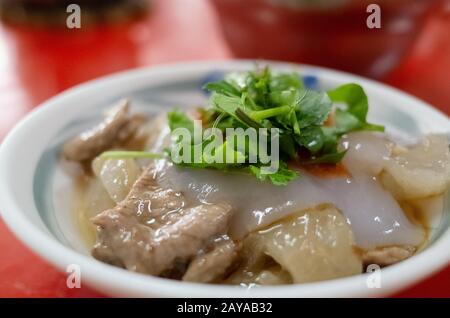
<point>34,196</point>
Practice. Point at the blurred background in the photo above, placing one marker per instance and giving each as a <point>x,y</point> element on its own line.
<point>40,57</point>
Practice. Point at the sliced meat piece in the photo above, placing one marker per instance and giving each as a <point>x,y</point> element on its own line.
<point>133,123</point>
<point>151,204</point>
<point>123,240</point>
<point>212,266</point>
<point>116,127</point>
<point>152,231</point>
<point>388,255</point>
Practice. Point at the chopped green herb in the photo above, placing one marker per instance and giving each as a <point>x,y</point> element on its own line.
<point>310,123</point>
<point>282,177</point>
<point>353,116</point>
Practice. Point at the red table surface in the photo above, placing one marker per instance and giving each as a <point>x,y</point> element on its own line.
<point>35,65</point>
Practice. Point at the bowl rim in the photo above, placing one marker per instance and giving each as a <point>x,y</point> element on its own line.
<point>116,281</point>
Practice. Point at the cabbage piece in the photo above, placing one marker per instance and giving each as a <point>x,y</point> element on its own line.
<point>420,171</point>
<point>313,245</point>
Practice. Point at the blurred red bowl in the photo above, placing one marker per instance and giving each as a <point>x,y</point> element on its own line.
<point>331,33</point>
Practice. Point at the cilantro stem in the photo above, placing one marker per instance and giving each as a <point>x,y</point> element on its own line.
<point>130,155</point>
<point>246,119</point>
<point>259,115</point>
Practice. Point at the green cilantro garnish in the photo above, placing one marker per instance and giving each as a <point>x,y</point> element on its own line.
<point>310,123</point>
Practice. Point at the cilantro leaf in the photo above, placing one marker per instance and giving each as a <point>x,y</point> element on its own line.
<point>285,81</point>
<point>331,158</point>
<point>353,117</point>
<point>313,108</point>
<point>312,138</point>
<point>222,87</point>
<point>281,178</point>
<point>178,119</point>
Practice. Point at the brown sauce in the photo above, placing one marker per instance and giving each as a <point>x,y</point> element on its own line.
<point>327,170</point>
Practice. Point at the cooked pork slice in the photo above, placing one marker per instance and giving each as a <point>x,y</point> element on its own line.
<point>117,126</point>
<point>152,231</point>
<point>151,204</point>
<point>388,255</point>
<point>212,266</point>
